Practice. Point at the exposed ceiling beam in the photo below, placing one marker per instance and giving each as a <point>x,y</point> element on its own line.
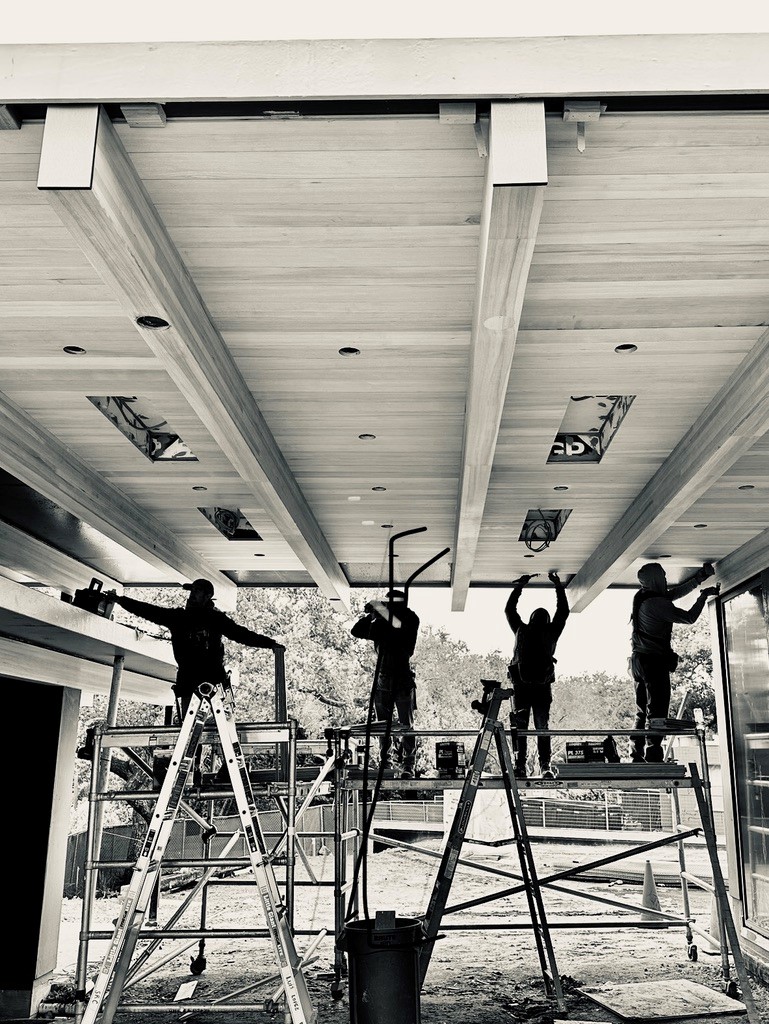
<point>40,664</point>
<point>742,563</point>
<point>516,174</point>
<point>92,184</point>
<point>39,561</point>
<point>327,69</point>
<point>40,460</point>
<point>727,428</point>
<point>39,620</point>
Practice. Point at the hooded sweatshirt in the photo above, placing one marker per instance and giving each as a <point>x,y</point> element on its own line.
<point>654,612</point>
<point>539,630</point>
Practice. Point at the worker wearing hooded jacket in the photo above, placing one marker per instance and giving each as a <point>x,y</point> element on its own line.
<point>196,637</point>
<point>532,670</point>
<point>652,658</point>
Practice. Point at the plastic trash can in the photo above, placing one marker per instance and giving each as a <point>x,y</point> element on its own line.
<point>384,971</point>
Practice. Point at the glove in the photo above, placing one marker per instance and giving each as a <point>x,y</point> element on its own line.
<point>707,570</point>
<point>554,577</point>
<point>711,591</point>
<point>523,580</point>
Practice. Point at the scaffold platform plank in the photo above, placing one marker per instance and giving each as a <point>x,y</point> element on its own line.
<point>667,999</point>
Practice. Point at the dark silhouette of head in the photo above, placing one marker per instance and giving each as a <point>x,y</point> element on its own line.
<point>201,593</point>
<point>539,618</point>
<point>652,577</point>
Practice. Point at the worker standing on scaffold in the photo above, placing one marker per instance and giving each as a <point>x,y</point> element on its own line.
<point>532,670</point>
<point>393,628</point>
<point>196,637</point>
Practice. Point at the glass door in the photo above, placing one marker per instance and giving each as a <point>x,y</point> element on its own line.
<point>747,657</point>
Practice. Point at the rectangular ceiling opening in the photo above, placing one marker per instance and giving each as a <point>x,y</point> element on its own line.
<point>231,523</point>
<point>542,526</point>
<point>144,427</point>
<point>588,427</point>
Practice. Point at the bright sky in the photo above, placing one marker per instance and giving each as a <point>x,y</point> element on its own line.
<point>594,640</point>
<point>51,21</point>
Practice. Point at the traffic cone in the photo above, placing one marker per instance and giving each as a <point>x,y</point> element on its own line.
<point>649,899</point>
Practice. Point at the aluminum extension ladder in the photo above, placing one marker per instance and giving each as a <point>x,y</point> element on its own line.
<point>493,697</point>
<point>109,983</point>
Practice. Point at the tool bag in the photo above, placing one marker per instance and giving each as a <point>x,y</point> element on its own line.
<point>93,599</point>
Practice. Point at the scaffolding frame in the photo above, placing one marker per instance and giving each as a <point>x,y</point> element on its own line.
<point>281,737</point>
<point>696,777</point>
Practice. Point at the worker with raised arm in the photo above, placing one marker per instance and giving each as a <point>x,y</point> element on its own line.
<point>393,628</point>
<point>196,637</point>
<point>532,669</point>
<point>652,657</point>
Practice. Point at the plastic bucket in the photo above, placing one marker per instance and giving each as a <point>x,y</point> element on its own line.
<point>384,971</point>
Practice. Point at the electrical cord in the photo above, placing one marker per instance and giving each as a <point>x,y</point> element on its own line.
<point>533,533</point>
<point>361,862</point>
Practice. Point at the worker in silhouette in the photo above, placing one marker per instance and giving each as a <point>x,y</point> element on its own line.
<point>652,658</point>
<point>532,670</point>
<point>196,637</point>
<point>393,628</point>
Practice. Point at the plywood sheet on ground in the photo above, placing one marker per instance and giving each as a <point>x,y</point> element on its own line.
<point>663,1000</point>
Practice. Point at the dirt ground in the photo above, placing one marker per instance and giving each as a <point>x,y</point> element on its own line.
<point>475,977</point>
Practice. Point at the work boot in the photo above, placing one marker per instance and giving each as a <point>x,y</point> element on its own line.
<point>407,773</point>
<point>547,772</point>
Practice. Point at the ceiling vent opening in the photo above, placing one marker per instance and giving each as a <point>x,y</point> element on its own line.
<point>145,428</point>
<point>588,427</point>
<point>542,526</point>
<point>231,523</point>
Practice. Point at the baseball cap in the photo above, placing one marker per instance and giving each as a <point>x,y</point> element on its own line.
<point>206,586</point>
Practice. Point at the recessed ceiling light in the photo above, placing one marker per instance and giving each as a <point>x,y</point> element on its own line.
<point>625,350</point>
<point>528,556</point>
<point>367,522</point>
<point>152,323</point>
<point>367,437</point>
<point>354,497</point>
<point>74,350</point>
<point>258,554</point>
<point>560,487</point>
<point>199,487</point>
<point>700,526</point>
<point>378,488</point>
<point>746,487</point>
<point>661,556</point>
<point>348,350</point>
<point>387,526</point>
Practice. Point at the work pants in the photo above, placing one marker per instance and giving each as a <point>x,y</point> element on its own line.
<point>528,699</point>
<point>652,697</point>
<point>386,700</point>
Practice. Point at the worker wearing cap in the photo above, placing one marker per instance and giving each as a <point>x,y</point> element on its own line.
<point>393,628</point>
<point>652,658</point>
<point>196,637</point>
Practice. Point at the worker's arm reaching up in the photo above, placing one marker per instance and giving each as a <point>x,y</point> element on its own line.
<point>511,608</point>
<point>561,604</point>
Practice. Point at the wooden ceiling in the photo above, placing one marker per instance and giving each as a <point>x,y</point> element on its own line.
<point>480,302</point>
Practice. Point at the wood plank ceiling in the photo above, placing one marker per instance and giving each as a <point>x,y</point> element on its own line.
<point>307,236</point>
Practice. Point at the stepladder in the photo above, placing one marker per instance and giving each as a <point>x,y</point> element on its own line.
<point>492,730</point>
<point>216,701</point>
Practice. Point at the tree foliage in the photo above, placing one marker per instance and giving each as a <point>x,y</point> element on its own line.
<point>329,675</point>
<point>694,676</point>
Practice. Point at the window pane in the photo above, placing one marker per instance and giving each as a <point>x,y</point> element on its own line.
<point>748,661</point>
